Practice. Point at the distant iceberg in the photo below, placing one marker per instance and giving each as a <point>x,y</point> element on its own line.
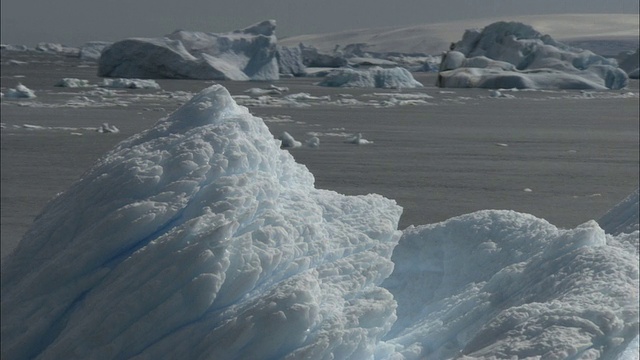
<point>201,239</point>
<point>247,54</point>
<point>374,77</point>
<point>92,50</point>
<point>514,55</point>
<point>55,48</point>
<point>630,63</point>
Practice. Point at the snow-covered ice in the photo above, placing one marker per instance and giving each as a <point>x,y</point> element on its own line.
<point>514,55</point>
<point>246,54</point>
<point>201,238</point>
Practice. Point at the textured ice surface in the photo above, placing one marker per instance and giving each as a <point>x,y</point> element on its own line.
<point>506,285</point>
<point>247,54</point>
<point>201,239</point>
<point>514,55</point>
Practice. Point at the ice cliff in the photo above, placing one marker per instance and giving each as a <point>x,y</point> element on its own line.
<point>201,239</point>
<point>514,55</point>
<point>247,54</point>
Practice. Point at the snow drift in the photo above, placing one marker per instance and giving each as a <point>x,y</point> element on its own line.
<point>247,54</point>
<point>514,55</point>
<point>201,239</point>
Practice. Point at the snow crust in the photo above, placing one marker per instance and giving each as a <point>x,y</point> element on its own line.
<point>246,54</point>
<point>202,238</point>
<point>514,55</point>
<point>391,78</point>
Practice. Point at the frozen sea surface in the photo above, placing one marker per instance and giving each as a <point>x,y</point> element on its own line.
<point>565,156</point>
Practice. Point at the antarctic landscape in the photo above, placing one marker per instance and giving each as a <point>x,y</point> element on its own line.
<point>471,193</point>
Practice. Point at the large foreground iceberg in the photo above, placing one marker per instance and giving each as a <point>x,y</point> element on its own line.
<point>201,239</point>
<point>247,54</point>
<point>514,55</point>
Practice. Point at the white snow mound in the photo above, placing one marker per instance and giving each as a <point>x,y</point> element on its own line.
<point>247,54</point>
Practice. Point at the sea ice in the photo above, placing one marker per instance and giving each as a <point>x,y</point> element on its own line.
<point>514,55</point>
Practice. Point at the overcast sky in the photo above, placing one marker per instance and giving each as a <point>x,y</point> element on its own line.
<point>74,22</point>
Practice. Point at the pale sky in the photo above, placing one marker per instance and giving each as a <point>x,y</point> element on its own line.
<point>74,22</point>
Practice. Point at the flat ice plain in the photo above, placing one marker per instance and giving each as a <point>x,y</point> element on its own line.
<point>564,156</point>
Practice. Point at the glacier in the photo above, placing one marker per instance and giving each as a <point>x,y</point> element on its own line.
<point>245,54</point>
<point>514,55</point>
<point>201,238</point>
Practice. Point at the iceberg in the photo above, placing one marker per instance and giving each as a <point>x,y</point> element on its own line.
<point>514,55</point>
<point>506,285</point>
<point>377,77</point>
<point>55,48</point>
<point>130,84</point>
<point>200,238</point>
<point>73,83</point>
<point>92,50</point>
<point>20,92</point>
<point>630,63</point>
<point>290,61</point>
<point>246,54</point>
